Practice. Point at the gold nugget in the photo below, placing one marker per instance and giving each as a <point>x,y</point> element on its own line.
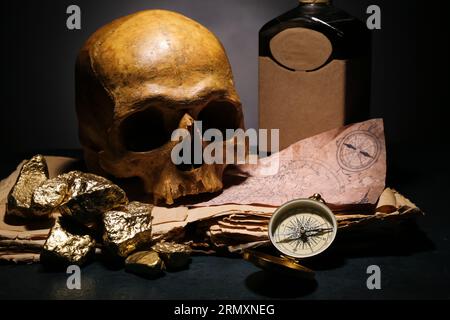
<point>33,173</point>
<point>128,228</point>
<point>81,196</point>
<point>175,255</point>
<point>50,194</point>
<point>65,247</point>
<point>91,195</point>
<point>145,263</point>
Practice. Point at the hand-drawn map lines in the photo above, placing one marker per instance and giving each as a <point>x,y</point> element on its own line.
<point>295,179</point>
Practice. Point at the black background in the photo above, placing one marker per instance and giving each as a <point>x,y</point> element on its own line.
<point>409,91</point>
<point>39,52</point>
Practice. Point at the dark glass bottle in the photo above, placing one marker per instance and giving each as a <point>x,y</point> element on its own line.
<point>314,64</point>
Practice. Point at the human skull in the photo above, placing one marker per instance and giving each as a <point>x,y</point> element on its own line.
<point>139,78</point>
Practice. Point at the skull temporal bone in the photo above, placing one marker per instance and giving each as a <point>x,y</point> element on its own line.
<point>140,77</point>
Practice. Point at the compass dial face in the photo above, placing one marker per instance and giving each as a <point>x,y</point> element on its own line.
<point>358,151</point>
<point>302,228</point>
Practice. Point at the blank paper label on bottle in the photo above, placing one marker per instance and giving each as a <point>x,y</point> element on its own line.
<point>301,49</point>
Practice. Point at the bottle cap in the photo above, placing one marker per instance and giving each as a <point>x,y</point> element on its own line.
<point>314,1</point>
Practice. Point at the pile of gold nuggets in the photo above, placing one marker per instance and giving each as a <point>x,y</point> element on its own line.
<point>91,213</point>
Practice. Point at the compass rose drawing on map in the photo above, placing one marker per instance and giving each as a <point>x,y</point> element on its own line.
<point>358,150</point>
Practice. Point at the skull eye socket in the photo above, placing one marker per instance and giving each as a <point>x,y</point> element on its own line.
<point>148,129</point>
<point>220,115</point>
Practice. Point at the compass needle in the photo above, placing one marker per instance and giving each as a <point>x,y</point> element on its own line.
<point>348,145</point>
<point>365,153</point>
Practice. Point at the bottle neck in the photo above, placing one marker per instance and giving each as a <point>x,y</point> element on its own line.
<point>314,2</point>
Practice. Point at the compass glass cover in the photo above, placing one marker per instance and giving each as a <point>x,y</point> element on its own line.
<point>302,228</point>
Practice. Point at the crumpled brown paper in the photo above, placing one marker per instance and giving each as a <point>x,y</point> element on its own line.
<point>240,221</point>
<point>232,226</point>
<point>243,226</point>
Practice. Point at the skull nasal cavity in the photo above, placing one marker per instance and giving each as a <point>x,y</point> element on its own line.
<point>220,115</point>
<point>144,131</point>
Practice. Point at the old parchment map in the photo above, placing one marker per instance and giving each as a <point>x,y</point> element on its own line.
<point>346,166</point>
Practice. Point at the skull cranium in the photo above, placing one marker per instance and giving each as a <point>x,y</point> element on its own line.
<point>139,78</point>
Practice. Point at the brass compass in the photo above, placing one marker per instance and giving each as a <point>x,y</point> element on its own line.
<point>298,230</point>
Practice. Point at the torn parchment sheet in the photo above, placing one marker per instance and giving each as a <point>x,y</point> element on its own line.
<point>345,165</point>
